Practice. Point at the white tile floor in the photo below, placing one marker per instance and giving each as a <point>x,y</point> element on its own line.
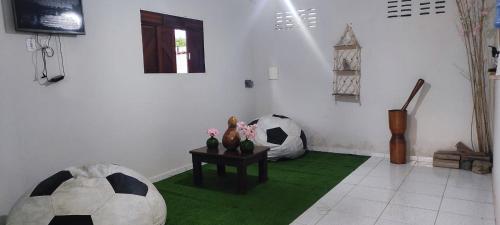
<point>380,193</point>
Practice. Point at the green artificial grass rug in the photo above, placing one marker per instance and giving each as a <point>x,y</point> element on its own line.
<point>293,187</point>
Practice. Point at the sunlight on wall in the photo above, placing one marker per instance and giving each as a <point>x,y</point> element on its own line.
<point>306,33</point>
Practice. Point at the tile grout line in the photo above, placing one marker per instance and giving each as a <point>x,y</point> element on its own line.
<point>442,197</point>
<point>468,200</point>
<point>341,199</point>
<point>466,215</point>
<point>396,191</point>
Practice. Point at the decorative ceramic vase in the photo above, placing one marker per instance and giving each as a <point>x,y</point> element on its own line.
<point>231,139</point>
<point>212,143</point>
<point>247,146</point>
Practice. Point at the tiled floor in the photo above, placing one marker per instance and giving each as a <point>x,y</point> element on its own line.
<point>379,193</point>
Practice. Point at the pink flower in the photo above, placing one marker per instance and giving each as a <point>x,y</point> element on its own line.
<point>250,134</point>
<point>241,125</point>
<point>248,130</point>
<point>213,132</point>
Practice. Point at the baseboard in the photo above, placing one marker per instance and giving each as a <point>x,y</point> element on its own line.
<point>170,173</point>
<point>422,159</point>
<point>412,158</point>
<point>367,153</point>
<point>341,150</point>
<point>187,167</point>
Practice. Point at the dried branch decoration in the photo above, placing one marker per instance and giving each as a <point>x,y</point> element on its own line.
<point>473,18</point>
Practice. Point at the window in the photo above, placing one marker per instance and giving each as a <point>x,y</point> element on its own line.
<point>172,44</point>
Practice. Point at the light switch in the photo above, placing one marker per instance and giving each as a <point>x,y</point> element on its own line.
<point>31,44</point>
<point>273,73</point>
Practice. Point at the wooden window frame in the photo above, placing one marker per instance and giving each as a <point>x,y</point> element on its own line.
<point>158,37</point>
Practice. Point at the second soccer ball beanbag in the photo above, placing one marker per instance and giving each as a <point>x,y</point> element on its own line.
<point>285,138</point>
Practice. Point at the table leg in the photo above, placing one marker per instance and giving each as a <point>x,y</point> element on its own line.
<point>263,170</point>
<point>242,179</point>
<point>221,169</point>
<point>197,172</point>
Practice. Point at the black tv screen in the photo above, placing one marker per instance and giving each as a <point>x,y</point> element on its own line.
<point>49,16</point>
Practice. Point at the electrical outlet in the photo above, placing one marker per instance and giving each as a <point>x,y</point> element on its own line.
<point>31,44</point>
<point>248,83</point>
<point>44,42</point>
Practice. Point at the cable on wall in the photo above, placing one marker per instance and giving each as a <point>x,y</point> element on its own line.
<point>47,52</point>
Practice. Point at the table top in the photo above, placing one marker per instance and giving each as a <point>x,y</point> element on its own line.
<point>223,152</point>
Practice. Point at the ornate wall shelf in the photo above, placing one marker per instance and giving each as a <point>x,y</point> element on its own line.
<point>347,65</point>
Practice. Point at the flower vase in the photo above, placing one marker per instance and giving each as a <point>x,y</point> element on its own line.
<point>212,143</point>
<point>231,138</point>
<point>247,147</point>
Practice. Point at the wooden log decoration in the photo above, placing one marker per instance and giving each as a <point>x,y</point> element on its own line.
<point>465,158</point>
<point>461,147</point>
<point>397,125</point>
<point>470,155</point>
<point>448,155</point>
<point>481,167</point>
<point>452,164</point>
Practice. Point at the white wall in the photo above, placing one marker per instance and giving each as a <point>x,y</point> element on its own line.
<point>496,157</point>
<point>396,52</point>
<point>108,110</point>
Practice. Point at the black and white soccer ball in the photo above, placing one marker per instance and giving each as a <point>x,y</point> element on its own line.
<point>91,195</point>
<point>285,138</point>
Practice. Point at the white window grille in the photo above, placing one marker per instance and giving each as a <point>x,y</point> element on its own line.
<point>287,20</point>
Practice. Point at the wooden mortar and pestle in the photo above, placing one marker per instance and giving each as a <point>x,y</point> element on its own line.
<point>397,125</point>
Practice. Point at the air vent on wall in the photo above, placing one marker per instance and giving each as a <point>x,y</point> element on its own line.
<point>425,8</point>
<point>404,8</point>
<point>439,6</point>
<point>392,8</point>
<point>288,20</point>
<point>399,8</point>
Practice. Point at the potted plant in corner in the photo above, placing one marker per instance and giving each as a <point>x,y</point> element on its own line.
<point>247,146</point>
<point>212,142</point>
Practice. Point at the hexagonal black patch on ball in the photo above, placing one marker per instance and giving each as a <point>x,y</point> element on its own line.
<point>49,185</point>
<point>280,116</point>
<point>73,220</point>
<point>276,136</point>
<point>304,139</point>
<point>253,122</point>
<point>124,184</point>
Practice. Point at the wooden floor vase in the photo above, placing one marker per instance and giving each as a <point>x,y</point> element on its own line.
<point>397,125</point>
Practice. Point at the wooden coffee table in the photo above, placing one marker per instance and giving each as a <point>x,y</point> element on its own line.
<point>223,158</point>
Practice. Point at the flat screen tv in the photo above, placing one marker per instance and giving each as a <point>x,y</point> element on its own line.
<point>49,16</point>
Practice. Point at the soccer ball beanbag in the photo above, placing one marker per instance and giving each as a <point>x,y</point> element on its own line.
<point>91,195</point>
<point>285,138</point>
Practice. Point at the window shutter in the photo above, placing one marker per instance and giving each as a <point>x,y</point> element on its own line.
<point>159,43</point>
<point>166,46</point>
<point>150,49</point>
<point>195,46</point>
